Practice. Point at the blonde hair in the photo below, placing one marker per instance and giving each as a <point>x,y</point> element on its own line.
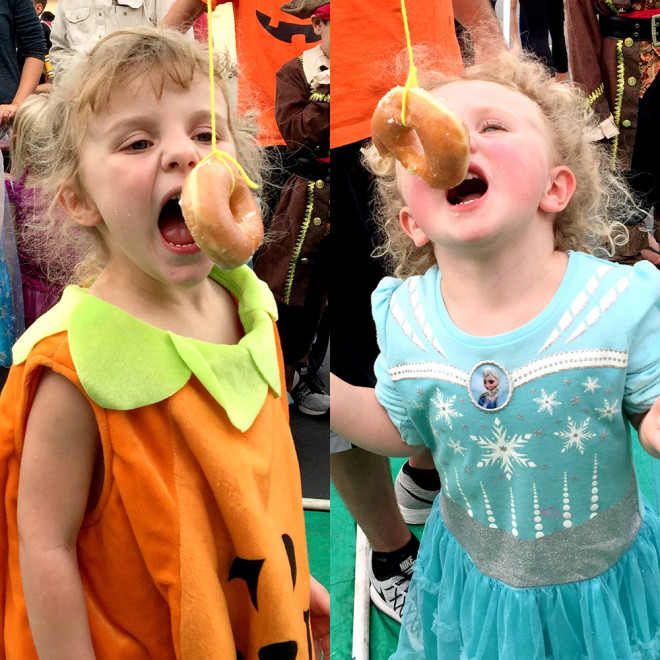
<point>593,220</point>
<point>86,87</point>
<point>30,133</point>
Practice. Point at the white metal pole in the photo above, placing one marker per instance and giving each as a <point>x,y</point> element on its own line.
<point>362,599</point>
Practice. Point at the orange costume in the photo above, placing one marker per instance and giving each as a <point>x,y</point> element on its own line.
<point>367,38</point>
<point>196,548</point>
<point>266,38</point>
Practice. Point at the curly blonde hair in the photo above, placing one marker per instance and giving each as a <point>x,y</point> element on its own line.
<point>593,221</point>
<point>49,145</point>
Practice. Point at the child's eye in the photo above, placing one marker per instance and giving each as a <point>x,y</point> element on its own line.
<point>205,137</point>
<point>138,145</point>
<point>492,125</point>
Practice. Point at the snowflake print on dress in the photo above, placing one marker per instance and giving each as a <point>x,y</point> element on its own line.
<point>609,410</point>
<point>445,410</point>
<point>547,402</point>
<point>591,385</point>
<point>575,435</point>
<point>457,447</point>
<point>505,450</point>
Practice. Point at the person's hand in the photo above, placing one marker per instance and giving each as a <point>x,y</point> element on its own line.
<point>7,112</point>
<point>649,428</point>
<point>319,609</point>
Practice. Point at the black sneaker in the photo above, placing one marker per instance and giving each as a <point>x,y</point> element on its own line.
<point>389,594</point>
<point>310,394</point>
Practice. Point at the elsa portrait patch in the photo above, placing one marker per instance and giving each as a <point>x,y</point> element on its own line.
<point>489,386</point>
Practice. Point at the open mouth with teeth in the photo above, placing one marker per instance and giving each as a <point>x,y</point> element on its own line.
<point>472,188</point>
<point>172,226</point>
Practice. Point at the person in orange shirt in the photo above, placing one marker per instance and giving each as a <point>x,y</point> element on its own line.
<point>266,38</point>
<point>366,42</point>
<point>151,485</point>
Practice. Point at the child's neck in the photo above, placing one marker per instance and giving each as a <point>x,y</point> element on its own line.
<point>491,296</point>
<point>206,312</point>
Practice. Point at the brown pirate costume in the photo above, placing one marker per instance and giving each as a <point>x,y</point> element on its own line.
<point>614,49</point>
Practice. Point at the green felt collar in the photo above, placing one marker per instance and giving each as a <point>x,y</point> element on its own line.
<point>124,363</point>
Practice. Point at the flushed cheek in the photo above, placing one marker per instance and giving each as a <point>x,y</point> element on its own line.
<point>422,200</point>
<point>525,174</point>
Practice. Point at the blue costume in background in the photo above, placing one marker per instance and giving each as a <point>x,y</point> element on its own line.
<point>540,545</point>
<point>12,322</point>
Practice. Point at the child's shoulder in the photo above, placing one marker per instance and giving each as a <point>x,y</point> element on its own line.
<point>404,296</point>
<point>643,273</point>
<point>423,284</point>
<point>53,322</point>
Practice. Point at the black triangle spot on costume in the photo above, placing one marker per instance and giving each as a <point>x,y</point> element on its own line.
<point>308,627</point>
<point>286,31</point>
<point>291,554</point>
<point>279,651</point>
<point>248,570</point>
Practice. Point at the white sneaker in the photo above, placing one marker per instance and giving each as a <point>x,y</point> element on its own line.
<point>414,501</point>
<point>389,594</point>
<point>310,394</point>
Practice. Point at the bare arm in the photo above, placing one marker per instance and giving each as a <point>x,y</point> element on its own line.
<point>478,17</point>
<point>61,443</point>
<point>648,429</point>
<point>356,415</point>
<point>182,14</point>
<point>28,84</point>
<point>320,617</point>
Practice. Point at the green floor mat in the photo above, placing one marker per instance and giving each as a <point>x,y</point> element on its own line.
<point>317,527</point>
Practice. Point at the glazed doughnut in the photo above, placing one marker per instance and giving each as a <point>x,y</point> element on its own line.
<point>434,144</point>
<point>225,223</point>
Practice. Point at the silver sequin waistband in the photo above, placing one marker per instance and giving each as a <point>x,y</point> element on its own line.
<point>569,555</point>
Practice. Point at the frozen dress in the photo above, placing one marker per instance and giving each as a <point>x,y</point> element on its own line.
<point>540,545</point>
<point>196,548</point>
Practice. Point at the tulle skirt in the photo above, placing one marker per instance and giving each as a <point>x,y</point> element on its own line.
<point>455,612</point>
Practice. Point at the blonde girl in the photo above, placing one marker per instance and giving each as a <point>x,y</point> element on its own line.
<point>540,545</point>
<point>153,504</point>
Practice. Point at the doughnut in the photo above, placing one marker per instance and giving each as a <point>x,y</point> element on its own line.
<point>221,213</point>
<point>434,144</point>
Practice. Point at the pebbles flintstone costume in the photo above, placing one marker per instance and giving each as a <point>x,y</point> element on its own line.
<point>196,548</point>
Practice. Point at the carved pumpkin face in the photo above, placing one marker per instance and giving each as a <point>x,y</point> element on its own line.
<point>284,27</point>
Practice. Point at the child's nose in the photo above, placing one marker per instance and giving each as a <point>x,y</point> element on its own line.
<point>180,154</point>
<point>473,135</point>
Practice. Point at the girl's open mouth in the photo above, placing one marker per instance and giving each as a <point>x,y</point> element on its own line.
<point>172,226</point>
<point>472,188</point>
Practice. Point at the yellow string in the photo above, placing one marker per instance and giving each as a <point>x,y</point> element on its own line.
<point>412,72</point>
<point>222,156</point>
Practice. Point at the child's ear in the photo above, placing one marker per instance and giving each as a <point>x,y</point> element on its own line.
<point>410,226</point>
<point>560,190</point>
<point>84,212</point>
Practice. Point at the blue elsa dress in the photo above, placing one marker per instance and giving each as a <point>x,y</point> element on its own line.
<point>540,545</point>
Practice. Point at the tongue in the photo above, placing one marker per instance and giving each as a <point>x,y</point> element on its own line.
<point>469,198</point>
<point>173,229</point>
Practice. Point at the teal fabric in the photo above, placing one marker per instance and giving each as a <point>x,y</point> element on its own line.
<point>547,452</point>
<point>566,377</point>
<point>454,611</point>
<point>125,363</point>
<point>384,632</point>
